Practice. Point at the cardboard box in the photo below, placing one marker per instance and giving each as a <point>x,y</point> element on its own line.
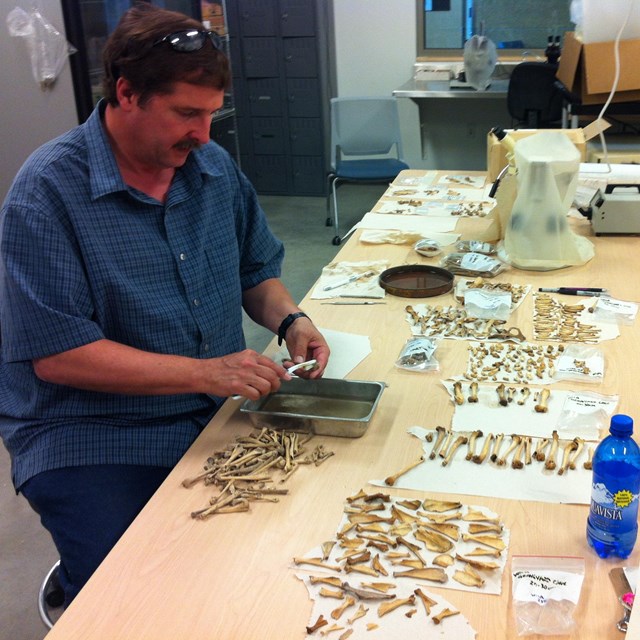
<point>497,154</point>
<point>588,70</point>
<point>622,149</point>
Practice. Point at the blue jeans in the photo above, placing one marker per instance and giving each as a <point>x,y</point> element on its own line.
<point>86,510</point>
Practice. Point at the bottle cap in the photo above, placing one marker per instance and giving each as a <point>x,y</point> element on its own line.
<point>621,425</point>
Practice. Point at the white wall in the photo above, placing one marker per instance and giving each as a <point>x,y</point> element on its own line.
<point>29,115</point>
<point>375,49</point>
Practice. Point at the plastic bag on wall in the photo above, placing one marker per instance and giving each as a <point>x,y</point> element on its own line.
<point>480,59</point>
<point>48,48</point>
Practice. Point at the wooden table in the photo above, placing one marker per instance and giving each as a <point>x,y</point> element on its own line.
<point>172,577</point>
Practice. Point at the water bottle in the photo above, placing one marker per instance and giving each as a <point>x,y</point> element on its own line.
<point>612,525</point>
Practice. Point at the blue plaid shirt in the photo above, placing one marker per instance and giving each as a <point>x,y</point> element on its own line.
<point>84,257</point>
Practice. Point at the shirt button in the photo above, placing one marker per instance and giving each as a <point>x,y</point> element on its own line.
<point>196,302</point>
<point>183,256</point>
<point>205,346</point>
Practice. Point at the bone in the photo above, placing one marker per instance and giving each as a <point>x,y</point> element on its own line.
<point>360,613</point>
<point>502,397</point>
<point>426,600</point>
<point>349,601</point>
<point>525,392</point>
<point>445,613</point>
<point>515,441</point>
<point>569,448</point>
<point>578,450</point>
<point>472,443</point>
<point>542,407</point>
<point>391,480</point>
<point>496,447</point>
<point>550,464</point>
<point>441,431</point>
<point>445,449</point>
<point>387,607</point>
<point>538,454</point>
<point>588,463</point>
<point>479,459</point>
<point>457,392</point>
<point>517,463</point>
<point>460,440</point>
<point>319,623</point>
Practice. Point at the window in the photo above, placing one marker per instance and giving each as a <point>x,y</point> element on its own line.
<point>524,25</point>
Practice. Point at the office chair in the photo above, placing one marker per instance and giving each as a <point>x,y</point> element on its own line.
<point>533,99</point>
<point>50,595</point>
<point>367,128</point>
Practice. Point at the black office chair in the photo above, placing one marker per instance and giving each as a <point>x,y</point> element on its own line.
<point>533,99</point>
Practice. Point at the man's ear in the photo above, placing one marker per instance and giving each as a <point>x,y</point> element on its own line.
<point>125,93</point>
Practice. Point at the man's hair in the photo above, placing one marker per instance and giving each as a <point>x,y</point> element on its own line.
<point>133,52</point>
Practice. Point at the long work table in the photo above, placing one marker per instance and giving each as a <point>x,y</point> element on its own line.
<point>231,576</point>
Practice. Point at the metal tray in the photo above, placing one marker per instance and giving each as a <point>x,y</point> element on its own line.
<point>326,406</point>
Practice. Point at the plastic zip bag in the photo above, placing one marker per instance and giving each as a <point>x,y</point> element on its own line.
<point>417,355</point>
<point>545,592</point>
<point>48,48</point>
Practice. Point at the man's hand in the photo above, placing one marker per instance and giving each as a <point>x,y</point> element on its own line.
<point>112,367</point>
<point>246,373</point>
<point>305,342</point>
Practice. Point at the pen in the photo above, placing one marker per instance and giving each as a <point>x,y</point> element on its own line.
<point>575,291</point>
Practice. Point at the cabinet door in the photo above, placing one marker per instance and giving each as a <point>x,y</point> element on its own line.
<point>260,59</point>
<point>297,18</point>
<point>300,57</point>
<point>264,97</point>
<point>308,175</point>
<point>257,17</point>
<point>305,136</point>
<point>223,132</point>
<point>268,136</point>
<point>269,174</point>
<point>303,98</point>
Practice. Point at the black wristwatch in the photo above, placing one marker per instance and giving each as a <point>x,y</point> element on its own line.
<point>287,322</point>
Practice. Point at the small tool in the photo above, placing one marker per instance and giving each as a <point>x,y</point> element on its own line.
<point>348,280</point>
<point>623,590</point>
<point>309,364</point>
<point>353,302</point>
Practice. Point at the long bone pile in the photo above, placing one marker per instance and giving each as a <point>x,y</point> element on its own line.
<point>553,320</point>
<point>246,471</point>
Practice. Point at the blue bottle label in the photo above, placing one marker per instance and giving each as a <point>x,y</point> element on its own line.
<point>614,504</point>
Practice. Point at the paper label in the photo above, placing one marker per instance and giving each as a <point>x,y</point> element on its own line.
<point>478,262</point>
<point>540,586</point>
<point>589,404</point>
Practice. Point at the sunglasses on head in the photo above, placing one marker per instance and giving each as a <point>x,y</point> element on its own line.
<point>190,40</point>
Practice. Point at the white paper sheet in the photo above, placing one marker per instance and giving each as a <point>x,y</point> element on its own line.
<point>592,413</point>
<point>396,624</point>
<point>348,350</point>
<point>419,224</point>
<point>367,286</point>
<point>382,236</point>
<point>463,179</point>
<point>393,625</point>
<point>533,482</point>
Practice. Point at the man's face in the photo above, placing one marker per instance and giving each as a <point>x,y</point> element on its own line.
<point>167,127</point>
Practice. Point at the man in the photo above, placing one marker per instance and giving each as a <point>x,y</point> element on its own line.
<point>128,248</point>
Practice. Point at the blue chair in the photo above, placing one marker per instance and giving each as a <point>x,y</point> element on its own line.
<point>365,137</point>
